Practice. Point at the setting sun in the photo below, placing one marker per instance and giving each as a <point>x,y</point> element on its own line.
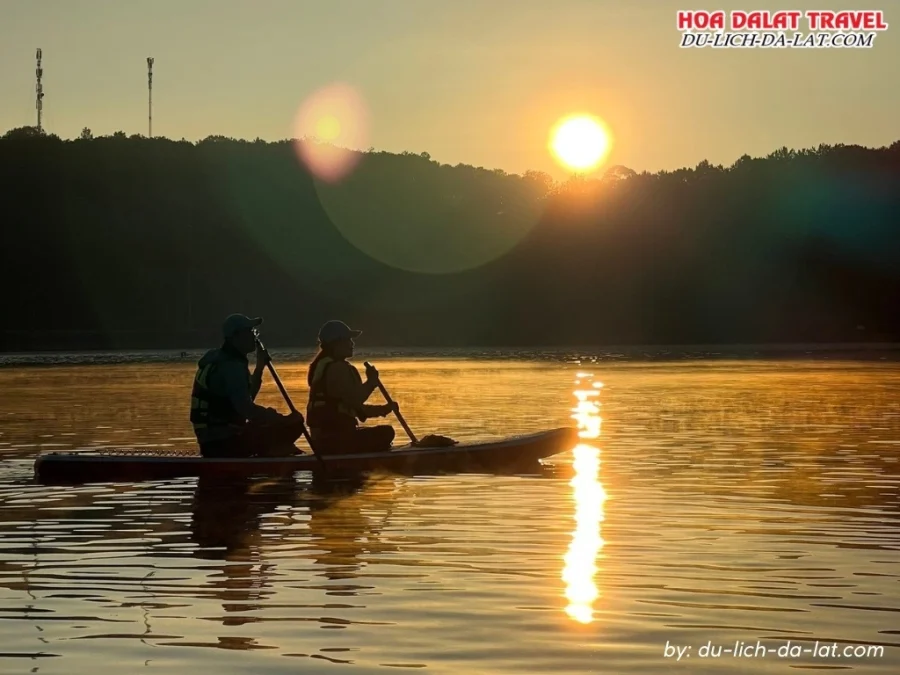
<point>580,142</point>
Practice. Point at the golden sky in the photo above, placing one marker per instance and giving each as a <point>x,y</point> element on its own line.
<point>474,81</point>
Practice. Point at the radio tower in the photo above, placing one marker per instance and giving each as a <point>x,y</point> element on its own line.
<point>39,91</point>
<point>150,96</point>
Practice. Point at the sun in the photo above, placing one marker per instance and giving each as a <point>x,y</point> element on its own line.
<point>580,142</point>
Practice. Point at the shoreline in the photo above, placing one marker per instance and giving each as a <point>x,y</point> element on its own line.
<point>572,354</point>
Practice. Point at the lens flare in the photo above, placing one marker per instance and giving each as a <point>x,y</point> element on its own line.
<point>328,128</point>
<point>331,128</point>
<point>589,496</point>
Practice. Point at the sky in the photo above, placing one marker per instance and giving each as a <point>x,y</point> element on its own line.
<point>477,82</point>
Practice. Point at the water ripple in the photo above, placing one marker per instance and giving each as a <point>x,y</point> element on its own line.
<point>707,501</point>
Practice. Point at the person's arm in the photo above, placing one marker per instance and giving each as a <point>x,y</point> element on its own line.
<point>256,381</point>
<point>257,375</point>
<point>345,384</point>
<point>234,378</point>
<point>371,383</point>
<point>367,388</point>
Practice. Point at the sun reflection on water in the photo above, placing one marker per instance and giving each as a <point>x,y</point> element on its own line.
<point>589,496</point>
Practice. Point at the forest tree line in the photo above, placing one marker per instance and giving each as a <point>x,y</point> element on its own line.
<point>133,242</point>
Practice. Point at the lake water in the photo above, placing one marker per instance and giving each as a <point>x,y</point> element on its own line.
<point>712,504</point>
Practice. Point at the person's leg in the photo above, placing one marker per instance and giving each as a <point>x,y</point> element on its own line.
<point>330,442</point>
<point>373,439</point>
<point>355,441</point>
<point>273,439</point>
<point>292,429</point>
<point>231,447</point>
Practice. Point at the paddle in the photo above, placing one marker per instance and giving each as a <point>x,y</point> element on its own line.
<point>387,397</point>
<point>431,440</point>
<point>287,398</point>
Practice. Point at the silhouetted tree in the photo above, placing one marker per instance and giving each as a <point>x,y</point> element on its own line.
<point>139,242</point>
<point>22,133</point>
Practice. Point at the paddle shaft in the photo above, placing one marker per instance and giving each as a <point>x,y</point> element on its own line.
<point>281,388</point>
<point>287,399</point>
<point>387,397</point>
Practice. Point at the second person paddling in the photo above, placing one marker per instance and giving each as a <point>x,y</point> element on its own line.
<point>338,395</point>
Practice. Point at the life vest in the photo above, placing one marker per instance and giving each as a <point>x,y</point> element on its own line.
<point>324,412</point>
<point>209,409</point>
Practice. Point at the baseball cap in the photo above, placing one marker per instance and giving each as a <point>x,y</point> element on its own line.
<point>238,322</point>
<point>332,331</point>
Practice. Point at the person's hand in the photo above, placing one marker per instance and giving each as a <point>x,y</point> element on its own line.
<point>262,356</point>
<point>297,416</point>
<point>371,373</point>
<point>392,407</point>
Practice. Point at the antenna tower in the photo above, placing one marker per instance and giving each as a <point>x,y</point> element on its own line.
<point>150,96</point>
<point>39,90</point>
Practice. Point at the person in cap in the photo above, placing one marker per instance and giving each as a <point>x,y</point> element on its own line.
<point>338,395</point>
<point>226,420</point>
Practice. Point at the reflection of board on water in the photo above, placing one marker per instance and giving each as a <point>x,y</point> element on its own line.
<point>236,521</point>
